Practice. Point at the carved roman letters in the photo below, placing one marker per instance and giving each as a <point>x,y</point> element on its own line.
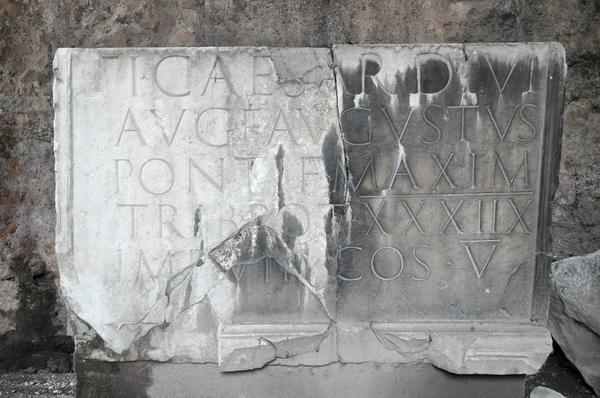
<point>177,60</point>
<point>465,173</point>
<point>256,203</point>
<point>480,267</point>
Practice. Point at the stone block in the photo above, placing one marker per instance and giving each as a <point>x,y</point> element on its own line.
<point>301,207</point>
<point>193,199</point>
<point>451,156</point>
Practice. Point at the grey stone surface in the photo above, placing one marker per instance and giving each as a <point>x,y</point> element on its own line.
<point>29,383</point>
<point>335,380</point>
<point>576,282</point>
<point>209,210</point>
<point>199,197</point>
<point>448,215</point>
<point>575,313</point>
<point>544,392</point>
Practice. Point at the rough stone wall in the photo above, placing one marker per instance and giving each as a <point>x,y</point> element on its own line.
<point>32,319</point>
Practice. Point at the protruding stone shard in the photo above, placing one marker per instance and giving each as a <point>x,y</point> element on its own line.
<point>157,232</point>
<point>245,347</point>
<point>248,358</point>
<point>256,242</point>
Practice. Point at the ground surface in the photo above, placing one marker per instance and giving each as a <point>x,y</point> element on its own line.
<point>560,375</point>
<point>43,384</point>
<point>557,374</point>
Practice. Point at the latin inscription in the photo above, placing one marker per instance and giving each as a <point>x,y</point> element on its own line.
<point>442,152</point>
<point>415,187</point>
<point>203,145</point>
<point>426,163</point>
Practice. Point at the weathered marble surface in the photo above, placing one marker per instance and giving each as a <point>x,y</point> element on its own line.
<point>192,194</point>
<point>247,206</point>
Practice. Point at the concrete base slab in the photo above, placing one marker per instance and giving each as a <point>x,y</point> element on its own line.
<point>150,379</point>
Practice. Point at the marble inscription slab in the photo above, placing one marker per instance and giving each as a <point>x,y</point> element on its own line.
<point>192,194</point>
<point>452,156</point>
<point>302,206</point>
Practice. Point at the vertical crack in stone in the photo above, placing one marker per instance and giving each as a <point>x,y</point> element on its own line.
<point>201,257</point>
<point>197,220</point>
<point>338,112</point>
<point>197,223</point>
<point>344,153</point>
<point>279,161</point>
<point>184,275</point>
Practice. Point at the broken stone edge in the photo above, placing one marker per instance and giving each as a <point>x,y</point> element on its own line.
<point>494,348</point>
